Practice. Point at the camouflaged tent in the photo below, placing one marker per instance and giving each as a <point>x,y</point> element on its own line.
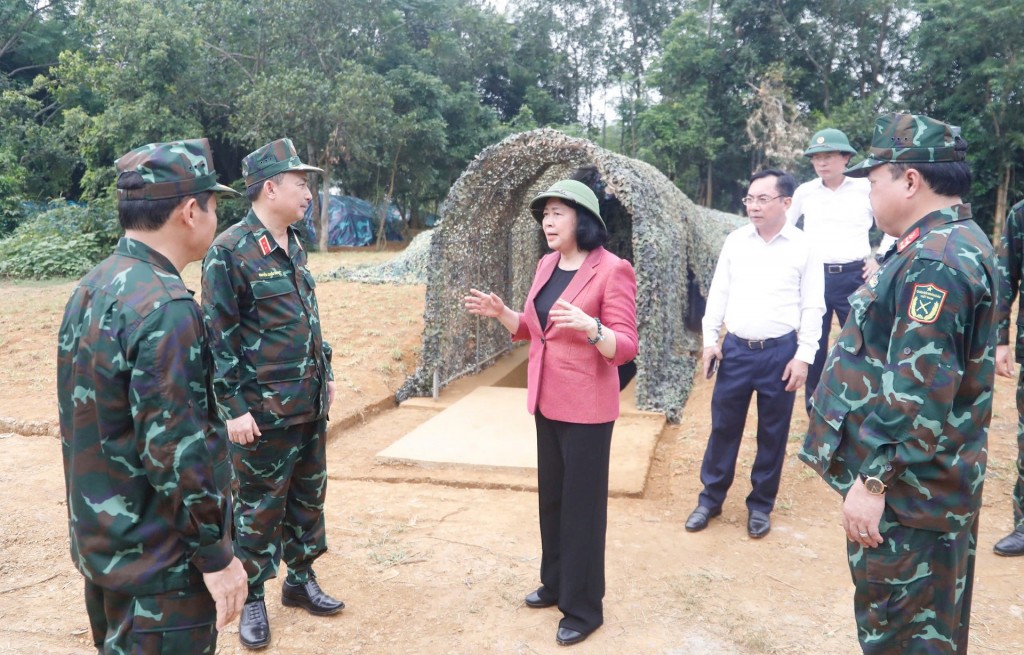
<point>487,239</point>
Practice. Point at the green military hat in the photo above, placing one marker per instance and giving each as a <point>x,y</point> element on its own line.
<point>829,140</point>
<point>276,157</point>
<point>910,139</point>
<point>575,192</point>
<point>170,170</point>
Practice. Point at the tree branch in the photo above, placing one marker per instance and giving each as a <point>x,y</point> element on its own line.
<point>24,24</point>
<point>234,56</point>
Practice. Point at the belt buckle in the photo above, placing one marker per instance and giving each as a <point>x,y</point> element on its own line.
<point>755,344</point>
<point>835,268</point>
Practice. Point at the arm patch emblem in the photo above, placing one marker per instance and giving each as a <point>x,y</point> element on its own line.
<point>926,303</point>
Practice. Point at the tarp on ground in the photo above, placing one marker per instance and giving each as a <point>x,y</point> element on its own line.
<point>353,222</point>
<point>488,240</point>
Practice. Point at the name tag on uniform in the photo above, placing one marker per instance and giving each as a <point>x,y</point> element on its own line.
<point>271,275</point>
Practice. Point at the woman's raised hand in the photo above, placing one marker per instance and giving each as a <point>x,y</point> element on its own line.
<point>484,304</point>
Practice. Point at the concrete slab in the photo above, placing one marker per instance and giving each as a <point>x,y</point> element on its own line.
<point>488,428</point>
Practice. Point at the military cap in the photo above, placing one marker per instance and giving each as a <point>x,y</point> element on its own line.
<point>276,157</point>
<point>170,170</point>
<point>911,139</point>
<point>829,140</point>
<point>575,192</point>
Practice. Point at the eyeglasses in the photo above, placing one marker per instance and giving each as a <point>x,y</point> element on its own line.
<point>759,200</point>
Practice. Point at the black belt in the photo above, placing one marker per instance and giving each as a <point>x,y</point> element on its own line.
<point>762,344</point>
<point>845,268</point>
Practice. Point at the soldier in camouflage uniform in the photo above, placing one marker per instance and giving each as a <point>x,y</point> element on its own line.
<point>145,461</point>
<point>899,422</point>
<point>1011,270</point>
<point>273,378</point>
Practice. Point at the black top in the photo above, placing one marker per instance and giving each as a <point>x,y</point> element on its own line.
<point>547,296</point>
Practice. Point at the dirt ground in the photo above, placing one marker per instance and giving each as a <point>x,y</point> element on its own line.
<point>432,569</point>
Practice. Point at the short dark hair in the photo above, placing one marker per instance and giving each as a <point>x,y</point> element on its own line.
<point>149,215</point>
<point>946,178</point>
<point>590,233</point>
<point>785,184</point>
<point>253,192</point>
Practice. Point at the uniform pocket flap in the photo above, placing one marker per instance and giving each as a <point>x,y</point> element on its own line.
<point>824,430</point>
<point>262,289</point>
<point>173,611</point>
<point>283,371</point>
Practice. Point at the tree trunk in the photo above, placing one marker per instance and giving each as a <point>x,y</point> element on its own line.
<point>325,216</point>
<point>1001,194</point>
<point>381,232</point>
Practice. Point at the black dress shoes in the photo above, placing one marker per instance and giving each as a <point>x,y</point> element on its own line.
<point>568,636</point>
<point>310,597</point>
<point>1012,544</point>
<point>537,599</point>
<point>699,518</point>
<point>758,524</point>
<point>254,628</point>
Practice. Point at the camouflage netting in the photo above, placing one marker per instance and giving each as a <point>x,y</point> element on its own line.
<point>487,239</point>
<point>407,267</point>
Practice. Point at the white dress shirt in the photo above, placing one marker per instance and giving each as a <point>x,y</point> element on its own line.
<point>837,222</point>
<point>763,290</point>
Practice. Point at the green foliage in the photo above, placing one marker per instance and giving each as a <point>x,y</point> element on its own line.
<point>66,240</point>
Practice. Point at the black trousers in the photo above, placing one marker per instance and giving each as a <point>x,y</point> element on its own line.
<point>840,282</point>
<point>572,485</point>
<point>743,371</point>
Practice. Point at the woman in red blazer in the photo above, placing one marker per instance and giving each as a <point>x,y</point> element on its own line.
<point>580,319</point>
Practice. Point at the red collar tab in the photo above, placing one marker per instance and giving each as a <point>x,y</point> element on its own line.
<point>905,242</point>
<point>264,245</point>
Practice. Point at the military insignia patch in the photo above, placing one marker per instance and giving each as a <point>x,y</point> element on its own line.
<point>926,302</point>
<point>873,282</point>
<point>907,240</point>
<point>264,245</point>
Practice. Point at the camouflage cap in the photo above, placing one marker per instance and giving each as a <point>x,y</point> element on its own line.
<point>276,157</point>
<point>909,138</point>
<point>170,170</point>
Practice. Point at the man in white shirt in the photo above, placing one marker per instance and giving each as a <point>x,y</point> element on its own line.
<point>768,289</point>
<point>837,219</point>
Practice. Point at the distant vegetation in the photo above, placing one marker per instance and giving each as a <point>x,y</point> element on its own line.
<point>394,97</point>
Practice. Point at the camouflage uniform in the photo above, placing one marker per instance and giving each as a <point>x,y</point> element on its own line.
<point>1011,271</point>
<point>907,397</point>
<point>271,360</point>
<point>144,464</point>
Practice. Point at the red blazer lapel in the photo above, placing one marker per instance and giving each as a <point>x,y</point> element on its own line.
<point>544,270</point>
<point>588,269</point>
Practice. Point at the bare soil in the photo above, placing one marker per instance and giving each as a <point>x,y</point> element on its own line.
<point>434,569</point>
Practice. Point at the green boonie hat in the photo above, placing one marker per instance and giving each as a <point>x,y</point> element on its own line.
<point>909,138</point>
<point>575,192</point>
<point>171,170</point>
<point>829,140</point>
<point>276,157</point>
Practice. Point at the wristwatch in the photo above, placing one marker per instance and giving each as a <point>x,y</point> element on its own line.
<point>600,334</point>
<point>873,485</point>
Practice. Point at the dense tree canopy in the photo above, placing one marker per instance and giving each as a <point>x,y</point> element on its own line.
<point>394,97</point>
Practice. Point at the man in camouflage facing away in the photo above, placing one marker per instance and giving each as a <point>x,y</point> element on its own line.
<point>145,461</point>
<point>1011,270</point>
<point>273,378</point>
<point>899,422</point>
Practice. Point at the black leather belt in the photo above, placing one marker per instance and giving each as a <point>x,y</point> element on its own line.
<point>762,344</point>
<point>845,268</point>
